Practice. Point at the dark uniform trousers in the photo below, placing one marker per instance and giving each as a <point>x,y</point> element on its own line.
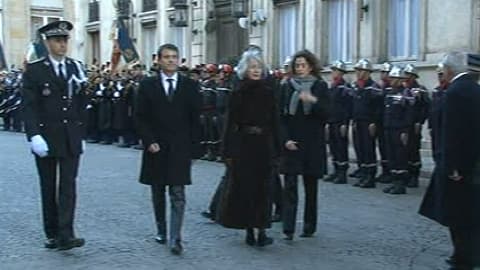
<point>177,210</point>
<point>290,203</point>
<point>58,204</point>
<point>397,152</point>
<point>414,159</point>
<point>382,147</point>
<point>366,148</point>
<point>339,145</point>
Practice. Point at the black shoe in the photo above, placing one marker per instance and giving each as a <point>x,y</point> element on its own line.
<point>176,248</point>
<point>50,243</point>
<point>341,178</point>
<point>356,174</point>
<point>276,218</point>
<point>398,189</point>
<point>384,179</point>
<point>138,147</point>
<point>161,239</point>
<point>359,182</point>
<point>124,145</point>
<point>330,177</point>
<point>413,182</point>
<point>306,235</point>
<point>250,238</point>
<point>70,243</point>
<point>264,240</point>
<point>387,189</point>
<point>368,183</point>
<point>105,142</point>
<point>451,260</point>
<point>288,236</point>
<point>207,214</point>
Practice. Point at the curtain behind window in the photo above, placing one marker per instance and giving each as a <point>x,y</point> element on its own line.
<point>287,31</point>
<point>149,42</point>
<point>341,23</point>
<point>403,29</point>
<point>178,40</point>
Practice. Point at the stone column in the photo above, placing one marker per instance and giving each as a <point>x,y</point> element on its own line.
<point>16,30</point>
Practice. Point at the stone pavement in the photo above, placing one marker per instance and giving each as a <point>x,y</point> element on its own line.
<point>358,229</point>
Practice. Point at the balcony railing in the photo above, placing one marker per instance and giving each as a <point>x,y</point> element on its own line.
<point>93,11</point>
<point>149,5</point>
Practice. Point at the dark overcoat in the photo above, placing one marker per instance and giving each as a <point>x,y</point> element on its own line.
<point>307,130</point>
<point>457,203</point>
<point>174,125</point>
<point>246,201</point>
<point>51,110</point>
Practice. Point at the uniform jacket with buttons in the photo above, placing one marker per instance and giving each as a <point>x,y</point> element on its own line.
<point>398,108</point>
<point>55,108</point>
<point>341,102</point>
<point>367,102</point>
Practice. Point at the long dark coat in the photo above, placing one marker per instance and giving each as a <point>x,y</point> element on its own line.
<point>457,203</point>
<point>307,130</point>
<point>48,110</point>
<point>246,201</point>
<point>174,125</point>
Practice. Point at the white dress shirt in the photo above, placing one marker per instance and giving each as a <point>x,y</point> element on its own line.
<point>57,63</point>
<point>166,84</point>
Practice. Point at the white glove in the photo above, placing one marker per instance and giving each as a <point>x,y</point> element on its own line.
<point>39,146</point>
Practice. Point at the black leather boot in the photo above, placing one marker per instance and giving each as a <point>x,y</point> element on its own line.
<point>413,179</point>
<point>399,185</point>
<point>341,177</point>
<point>250,237</point>
<point>369,181</point>
<point>263,239</point>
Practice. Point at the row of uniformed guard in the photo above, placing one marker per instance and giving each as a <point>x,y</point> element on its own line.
<point>390,113</point>
<point>10,100</point>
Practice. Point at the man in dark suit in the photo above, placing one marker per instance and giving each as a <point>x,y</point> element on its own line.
<point>55,112</point>
<point>168,122</point>
<point>453,197</point>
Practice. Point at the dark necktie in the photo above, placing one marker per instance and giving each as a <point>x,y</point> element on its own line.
<point>170,89</point>
<point>60,72</point>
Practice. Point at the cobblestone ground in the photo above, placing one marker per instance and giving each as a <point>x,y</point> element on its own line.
<point>358,229</point>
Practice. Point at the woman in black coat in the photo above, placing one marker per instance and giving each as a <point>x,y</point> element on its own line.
<point>304,104</point>
<point>250,145</point>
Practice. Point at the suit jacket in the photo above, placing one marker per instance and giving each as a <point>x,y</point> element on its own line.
<point>54,110</point>
<point>174,125</point>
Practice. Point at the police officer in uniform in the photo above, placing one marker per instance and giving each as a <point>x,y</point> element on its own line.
<point>421,110</point>
<point>55,110</point>
<point>397,120</point>
<point>367,108</point>
<point>338,123</point>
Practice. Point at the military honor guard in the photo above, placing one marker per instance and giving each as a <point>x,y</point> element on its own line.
<point>339,122</point>
<point>397,120</point>
<point>55,113</point>
<point>367,112</point>
<point>421,111</point>
<point>384,83</point>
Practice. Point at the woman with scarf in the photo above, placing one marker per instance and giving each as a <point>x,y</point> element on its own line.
<point>304,105</point>
<point>250,147</point>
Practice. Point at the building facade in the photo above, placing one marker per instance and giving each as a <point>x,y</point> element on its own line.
<point>19,20</point>
<point>413,31</point>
